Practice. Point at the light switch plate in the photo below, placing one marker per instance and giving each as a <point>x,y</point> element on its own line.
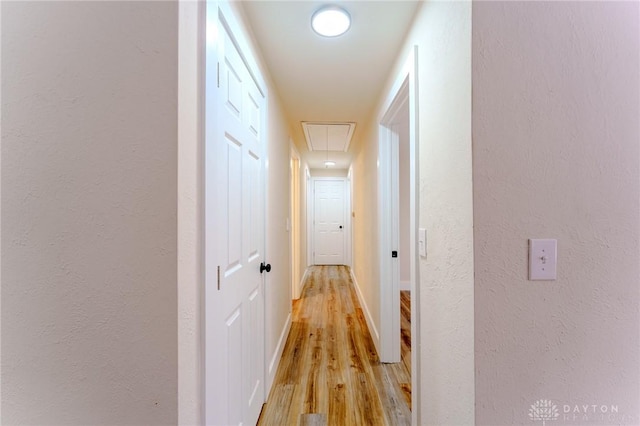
<point>422,241</point>
<point>543,259</point>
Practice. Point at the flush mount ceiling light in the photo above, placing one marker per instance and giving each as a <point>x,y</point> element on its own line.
<point>330,21</point>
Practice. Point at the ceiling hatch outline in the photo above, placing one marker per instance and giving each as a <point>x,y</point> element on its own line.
<point>328,136</point>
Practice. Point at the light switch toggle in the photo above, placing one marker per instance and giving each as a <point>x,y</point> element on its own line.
<point>422,242</point>
<point>542,259</point>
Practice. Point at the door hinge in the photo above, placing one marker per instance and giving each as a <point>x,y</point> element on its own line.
<point>218,278</point>
<point>218,72</point>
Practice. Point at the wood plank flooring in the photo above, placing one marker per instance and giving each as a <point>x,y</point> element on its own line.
<point>330,373</point>
<point>405,329</point>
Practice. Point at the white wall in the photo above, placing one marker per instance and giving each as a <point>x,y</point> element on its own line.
<point>556,155</point>
<point>89,196</point>
<point>446,354</point>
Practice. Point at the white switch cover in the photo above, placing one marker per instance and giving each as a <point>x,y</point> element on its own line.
<point>422,242</point>
<point>542,259</point>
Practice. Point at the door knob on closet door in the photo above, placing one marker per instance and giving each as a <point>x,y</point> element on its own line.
<point>264,267</point>
<point>340,226</point>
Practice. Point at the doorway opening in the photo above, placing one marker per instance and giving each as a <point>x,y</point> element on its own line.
<point>294,223</point>
<point>398,213</point>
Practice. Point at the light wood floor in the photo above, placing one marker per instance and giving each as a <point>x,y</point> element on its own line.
<point>405,329</point>
<point>330,373</point>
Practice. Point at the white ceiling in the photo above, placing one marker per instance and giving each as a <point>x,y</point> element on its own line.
<point>323,79</point>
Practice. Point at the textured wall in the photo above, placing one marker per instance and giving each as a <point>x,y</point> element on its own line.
<point>446,275</point>
<point>556,155</point>
<point>89,123</point>
<point>445,196</point>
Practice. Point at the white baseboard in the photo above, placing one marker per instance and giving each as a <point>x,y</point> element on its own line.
<point>277,355</point>
<point>301,284</point>
<point>367,314</point>
<point>405,285</point>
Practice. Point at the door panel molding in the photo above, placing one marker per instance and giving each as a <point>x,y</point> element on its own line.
<point>314,243</point>
<point>234,223</point>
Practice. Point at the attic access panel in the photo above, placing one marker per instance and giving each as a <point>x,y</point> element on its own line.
<point>328,136</point>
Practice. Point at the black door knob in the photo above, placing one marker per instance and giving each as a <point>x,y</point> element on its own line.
<point>264,267</point>
<point>340,226</point>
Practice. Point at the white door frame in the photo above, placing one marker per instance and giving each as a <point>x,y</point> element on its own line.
<point>311,213</point>
<point>403,91</point>
<point>191,41</point>
<point>388,218</point>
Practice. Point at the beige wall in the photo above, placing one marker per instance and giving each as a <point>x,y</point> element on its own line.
<point>89,175</point>
<point>446,275</point>
<point>329,172</point>
<point>278,281</point>
<point>555,127</point>
<point>365,224</point>
<point>445,210</point>
<point>89,196</point>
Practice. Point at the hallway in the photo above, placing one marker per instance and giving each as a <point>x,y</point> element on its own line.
<point>330,373</point>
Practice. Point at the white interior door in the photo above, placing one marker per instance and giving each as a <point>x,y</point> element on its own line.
<point>329,221</point>
<point>234,227</point>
